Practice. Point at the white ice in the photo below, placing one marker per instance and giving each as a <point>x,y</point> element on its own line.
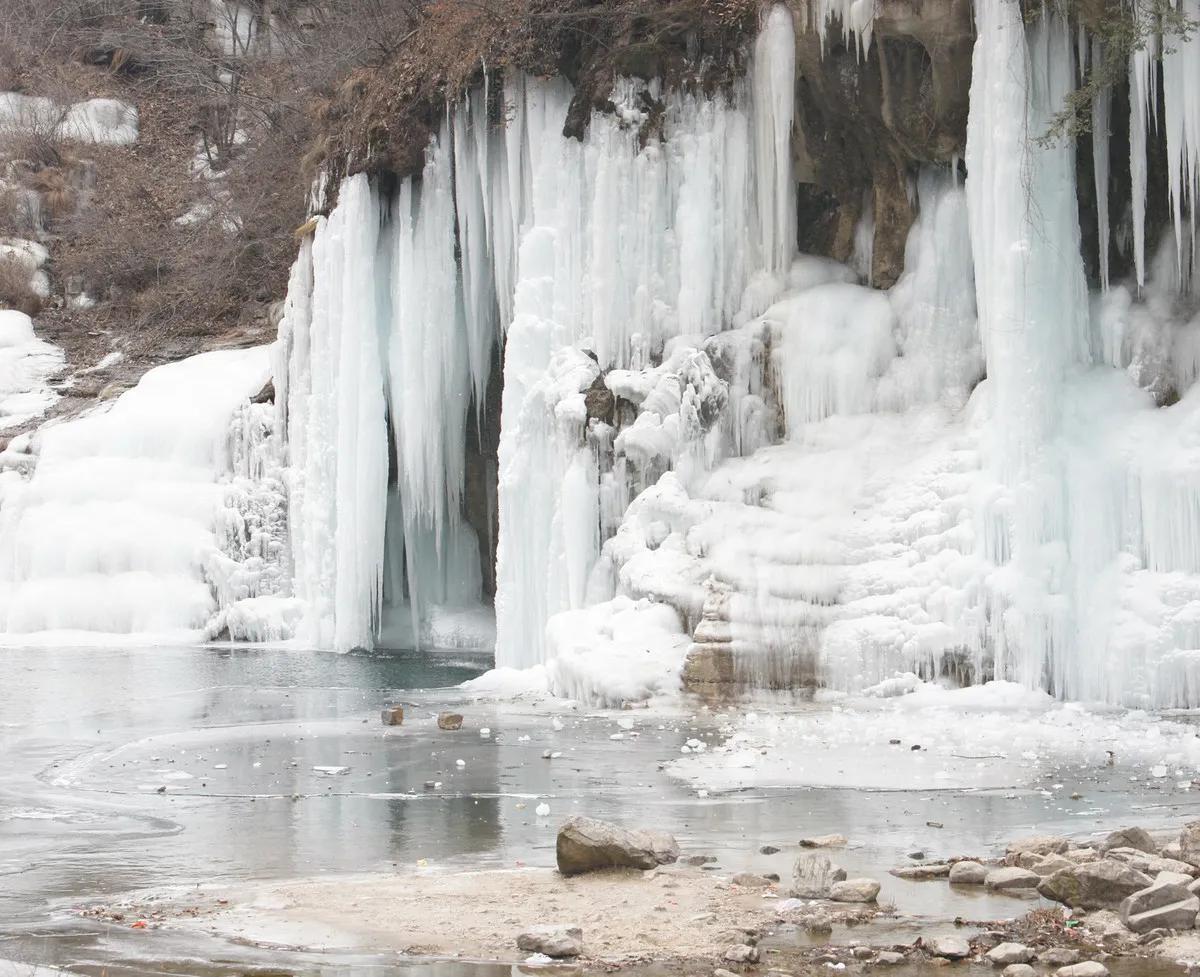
<point>116,528</point>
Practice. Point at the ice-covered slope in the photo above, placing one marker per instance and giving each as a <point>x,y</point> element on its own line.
<point>134,521</point>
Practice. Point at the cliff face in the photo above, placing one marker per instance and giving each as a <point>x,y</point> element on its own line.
<point>873,105</point>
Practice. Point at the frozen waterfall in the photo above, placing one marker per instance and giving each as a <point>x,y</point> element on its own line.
<point>149,518</point>
<point>590,385</point>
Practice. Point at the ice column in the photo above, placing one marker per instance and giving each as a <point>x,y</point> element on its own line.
<point>1033,318</point>
<point>774,78</point>
<point>337,428</point>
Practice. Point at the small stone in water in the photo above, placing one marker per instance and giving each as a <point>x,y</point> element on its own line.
<point>542,810</point>
<point>460,763</point>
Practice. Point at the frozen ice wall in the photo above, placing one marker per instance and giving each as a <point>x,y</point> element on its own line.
<point>712,445</point>
<point>123,528</point>
<point>618,254</point>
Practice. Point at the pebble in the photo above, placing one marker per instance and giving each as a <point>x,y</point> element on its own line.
<point>889,958</point>
<point>768,850</point>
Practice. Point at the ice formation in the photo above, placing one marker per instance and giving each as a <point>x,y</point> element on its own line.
<point>709,445</point>
<point>27,364</point>
<point>709,442</point>
<point>135,518</point>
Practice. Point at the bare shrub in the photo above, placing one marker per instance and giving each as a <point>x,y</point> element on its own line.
<point>16,291</point>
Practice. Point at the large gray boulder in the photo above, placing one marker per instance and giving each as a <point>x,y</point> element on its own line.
<point>1095,885</point>
<point>854,890</point>
<point>1037,845</point>
<point>1138,838</point>
<point>1004,954</point>
<point>813,877</point>
<point>559,942</point>
<point>1164,905</point>
<point>1050,864</point>
<point>587,845</point>
<point>949,947</point>
<point>1012,877</point>
<point>968,873</point>
<point>1150,864</point>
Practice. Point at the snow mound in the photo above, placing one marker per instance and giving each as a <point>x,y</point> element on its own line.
<point>98,120</point>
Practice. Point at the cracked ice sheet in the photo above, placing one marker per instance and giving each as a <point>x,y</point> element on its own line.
<point>995,736</point>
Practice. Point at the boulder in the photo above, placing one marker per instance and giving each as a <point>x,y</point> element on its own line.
<point>742,953</point>
<point>824,841</point>
<point>586,845</point>
<point>1150,864</point>
<point>1004,954</point>
<point>1049,865</point>
<point>889,958</point>
<point>1059,956</point>
<point>1012,877</point>
<point>392,715</point>
<point>1175,878</point>
<point>1189,843</point>
<point>968,873</point>
<point>854,890</point>
<point>921,873</point>
<point>1137,838</point>
<point>1038,844</point>
<point>814,875</point>
<point>950,947</point>
<point>449,720</point>
<point>553,941</point>
<point>1095,885</point>
<point>1081,856</point>
<point>1163,905</point>
<point>749,880</point>
<point>1089,968</point>
<point>1019,970</point>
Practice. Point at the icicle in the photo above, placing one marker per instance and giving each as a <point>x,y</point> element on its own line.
<point>1101,111</point>
<point>774,74</point>
<point>1181,101</point>
<point>856,17</point>
<point>1142,95</point>
<point>473,199</point>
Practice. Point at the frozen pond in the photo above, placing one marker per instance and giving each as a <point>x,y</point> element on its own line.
<point>130,770</point>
